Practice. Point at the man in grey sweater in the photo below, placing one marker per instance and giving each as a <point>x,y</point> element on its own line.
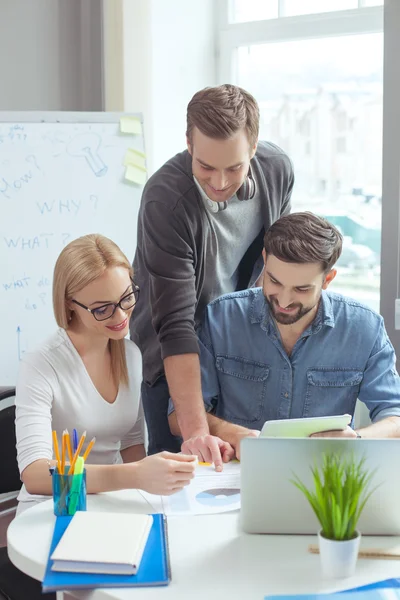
<point>201,223</point>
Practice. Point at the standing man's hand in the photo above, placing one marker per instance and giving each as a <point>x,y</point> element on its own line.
<point>183,376</point>
<point>239,436</point>
<point>232,433</point>
<point>209,448</point>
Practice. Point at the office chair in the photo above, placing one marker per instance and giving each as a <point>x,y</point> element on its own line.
<point>14,585</point>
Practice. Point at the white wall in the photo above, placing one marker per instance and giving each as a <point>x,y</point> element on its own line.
<point>157,54</point>
<point>184,62</point>
<point>50,55</point>
<point>29,57</point>
<point>168,55</point>
<point>137,62</point>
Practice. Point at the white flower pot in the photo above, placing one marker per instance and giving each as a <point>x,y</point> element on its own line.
<point>338,558</point>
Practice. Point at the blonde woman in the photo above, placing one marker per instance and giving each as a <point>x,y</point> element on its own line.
<point>87,376</point>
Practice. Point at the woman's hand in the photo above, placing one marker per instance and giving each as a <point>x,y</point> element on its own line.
<point>164,473</point>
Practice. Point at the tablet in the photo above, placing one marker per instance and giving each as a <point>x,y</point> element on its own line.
<point>304,427</point>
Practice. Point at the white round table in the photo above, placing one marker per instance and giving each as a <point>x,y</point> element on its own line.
<point>210,557</point>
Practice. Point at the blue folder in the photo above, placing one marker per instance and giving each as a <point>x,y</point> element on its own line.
<point>154,569</point>
<point>376,585</point>
<point>380,590</point>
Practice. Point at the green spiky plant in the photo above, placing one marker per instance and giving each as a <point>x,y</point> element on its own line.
<point>341,490</point>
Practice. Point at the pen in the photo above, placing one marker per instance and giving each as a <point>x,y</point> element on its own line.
<point>63,451</point>
<point>70,455</point>
<point>88,449</point>
<point>56,451</point>
<point>74,439</point>
<point>79,448</point>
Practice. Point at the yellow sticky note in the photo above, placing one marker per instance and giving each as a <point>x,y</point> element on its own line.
<point>135,158</point>
<point>130,125</point>
<point>135,174</point>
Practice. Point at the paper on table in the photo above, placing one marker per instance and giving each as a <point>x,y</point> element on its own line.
<point>208,493</point>
<point>135,174</point>
<point>136,158</point>
<point>130,125</point>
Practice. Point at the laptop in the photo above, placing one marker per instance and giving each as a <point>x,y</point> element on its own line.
<point>270,503</point>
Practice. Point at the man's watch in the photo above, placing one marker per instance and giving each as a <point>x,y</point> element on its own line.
<point>358,435</point>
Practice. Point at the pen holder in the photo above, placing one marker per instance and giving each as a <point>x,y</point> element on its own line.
<point>69,493</point>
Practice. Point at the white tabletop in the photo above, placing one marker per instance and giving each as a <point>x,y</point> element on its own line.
<point>210,557</point>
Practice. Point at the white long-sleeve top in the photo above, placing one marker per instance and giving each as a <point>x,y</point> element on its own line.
<point>55,391</point>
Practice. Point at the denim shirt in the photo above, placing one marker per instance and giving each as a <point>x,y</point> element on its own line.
<point>248,378</point>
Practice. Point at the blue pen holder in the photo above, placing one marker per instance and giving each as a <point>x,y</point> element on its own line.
<point>69,493</point>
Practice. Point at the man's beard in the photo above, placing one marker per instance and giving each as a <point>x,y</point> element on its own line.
<point>291,318</point>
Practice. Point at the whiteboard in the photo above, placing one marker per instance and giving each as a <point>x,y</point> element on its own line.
<point>62,175</point>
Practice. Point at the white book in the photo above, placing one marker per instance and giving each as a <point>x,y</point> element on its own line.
<point>102,542</point>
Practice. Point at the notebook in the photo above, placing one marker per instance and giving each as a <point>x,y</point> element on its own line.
<point>154,568</point>
<point>102,542</point>
<point>304,427</point>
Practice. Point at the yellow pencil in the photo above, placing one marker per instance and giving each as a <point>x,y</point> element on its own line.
<point>88,449</point>
<point>63,452</point>
<point>56,451</point>
<point>79,448</point>
<point>69,446</point>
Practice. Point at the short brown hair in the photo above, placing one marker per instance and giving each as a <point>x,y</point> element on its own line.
<point>219,112</point>
<point>303,237</point>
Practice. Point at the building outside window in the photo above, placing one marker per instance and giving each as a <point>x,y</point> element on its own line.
<point>316,69</point>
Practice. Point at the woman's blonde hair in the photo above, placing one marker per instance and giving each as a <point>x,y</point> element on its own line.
<point>82,261</point>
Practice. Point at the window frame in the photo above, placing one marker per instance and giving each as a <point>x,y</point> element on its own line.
<point>231,36</point>
<point>334,24</point>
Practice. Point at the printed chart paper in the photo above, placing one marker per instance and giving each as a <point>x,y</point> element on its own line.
<point>209,492</point>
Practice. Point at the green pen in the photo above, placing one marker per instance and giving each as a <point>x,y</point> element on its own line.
<point>76,485</point>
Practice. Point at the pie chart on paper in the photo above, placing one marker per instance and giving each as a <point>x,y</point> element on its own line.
<point>218,496</point>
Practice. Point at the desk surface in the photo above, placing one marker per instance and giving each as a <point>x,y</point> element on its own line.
<point>210,557</point>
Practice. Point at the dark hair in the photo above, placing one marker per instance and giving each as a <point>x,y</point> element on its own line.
<point>219,112</point>
<point>303,237</point>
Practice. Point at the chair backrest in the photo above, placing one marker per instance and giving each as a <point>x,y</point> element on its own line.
<point>9,473</point>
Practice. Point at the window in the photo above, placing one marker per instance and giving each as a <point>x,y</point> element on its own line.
<point>241,11</point>
<point>341,145</point>
<point>252,10</point>
<point>318,78</point>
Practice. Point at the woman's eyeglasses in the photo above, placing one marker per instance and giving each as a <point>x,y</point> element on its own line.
<point>106,311</point>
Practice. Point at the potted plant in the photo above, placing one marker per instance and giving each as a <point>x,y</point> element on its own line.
<point>341,490</point>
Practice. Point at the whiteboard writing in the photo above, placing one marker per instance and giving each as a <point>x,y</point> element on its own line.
<point>42,240</point>
<point>61,176</point>
<point>16,132</point>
